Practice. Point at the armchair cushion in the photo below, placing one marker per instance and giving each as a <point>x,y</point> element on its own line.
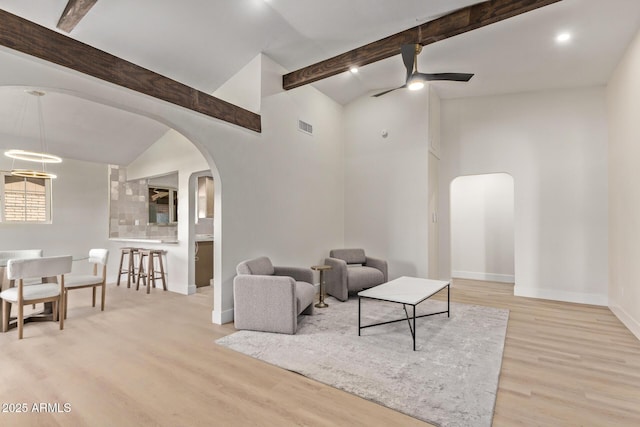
<point>260,266</point>
<point>359,278</point>
<point>350,256</point>
<point>297,273</point>
<point>304,296</point>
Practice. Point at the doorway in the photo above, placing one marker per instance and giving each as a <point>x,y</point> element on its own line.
<point>201,187</point>
<point>482,227</point>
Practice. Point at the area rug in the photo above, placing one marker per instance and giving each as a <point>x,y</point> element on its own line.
<point>450,380</point>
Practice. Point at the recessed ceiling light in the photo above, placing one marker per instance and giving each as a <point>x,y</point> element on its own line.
<point>563,37</point>
<point>353,69</point>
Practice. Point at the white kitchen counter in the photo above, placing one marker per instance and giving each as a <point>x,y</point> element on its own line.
<point>170,241</point>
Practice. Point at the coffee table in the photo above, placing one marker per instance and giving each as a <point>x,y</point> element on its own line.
<point>406,291</point>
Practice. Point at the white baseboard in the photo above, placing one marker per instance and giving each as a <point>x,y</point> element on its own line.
<point>551,294</point>
<point>632,324</point>
<point>490,277</point>
<point>220,318</point>
<point>191,289</point>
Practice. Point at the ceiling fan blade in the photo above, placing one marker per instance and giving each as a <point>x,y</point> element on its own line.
<point>454,77</point>
<point>408,57</point>
<point>387,91</point>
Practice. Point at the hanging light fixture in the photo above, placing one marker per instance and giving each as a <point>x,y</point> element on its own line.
<point>41,157</point>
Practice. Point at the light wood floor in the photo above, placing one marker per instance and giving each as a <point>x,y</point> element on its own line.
<point>152,360</point>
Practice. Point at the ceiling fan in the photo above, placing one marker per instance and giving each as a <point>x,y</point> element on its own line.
<point>415,79</point>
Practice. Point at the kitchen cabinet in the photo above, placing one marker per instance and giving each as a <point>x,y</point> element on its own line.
<point>204,263</point>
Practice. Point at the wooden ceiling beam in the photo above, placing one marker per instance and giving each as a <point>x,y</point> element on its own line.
<point>27,37</point>
<point>73,13</point>
<point>460,21</point>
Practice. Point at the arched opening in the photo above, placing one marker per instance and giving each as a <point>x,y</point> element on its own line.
<point>482,228</point>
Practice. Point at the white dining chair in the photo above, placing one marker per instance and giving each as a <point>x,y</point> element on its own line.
<point>19,270</point>
<point>17,254</point>
<point>21,254</point>
<point>99,258</point>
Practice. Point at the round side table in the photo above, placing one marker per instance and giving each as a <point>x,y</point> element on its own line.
<point>321,269</point>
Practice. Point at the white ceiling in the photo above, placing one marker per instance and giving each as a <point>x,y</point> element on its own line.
<point>202,43</point>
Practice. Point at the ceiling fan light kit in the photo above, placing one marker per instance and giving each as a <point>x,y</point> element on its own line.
<point>415,83</point>
<point>416,80</point>
<point>34,156</point>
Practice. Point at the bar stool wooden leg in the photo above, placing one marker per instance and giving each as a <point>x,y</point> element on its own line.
<point>151,275</point>
<point>120,267</point>
<point>131,269</point>
<point>141,273</point>
<point>136,253</point>
<point>164,282</point>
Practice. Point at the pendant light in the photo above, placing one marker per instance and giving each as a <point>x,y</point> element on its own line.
<point>42,156</point>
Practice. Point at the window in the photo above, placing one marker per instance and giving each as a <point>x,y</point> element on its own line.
<point>163,205</point>
<point>25,199</point>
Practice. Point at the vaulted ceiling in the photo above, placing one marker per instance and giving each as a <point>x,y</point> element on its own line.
<point>202,43</point>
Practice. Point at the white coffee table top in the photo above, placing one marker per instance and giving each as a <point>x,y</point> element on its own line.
<point>405,290</point>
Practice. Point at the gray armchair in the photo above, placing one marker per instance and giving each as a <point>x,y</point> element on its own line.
<point>269,298</point>
<point>352,270</point>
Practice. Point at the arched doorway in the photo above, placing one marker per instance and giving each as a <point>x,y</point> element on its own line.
<point>482,227</point>
<point>96,142</point>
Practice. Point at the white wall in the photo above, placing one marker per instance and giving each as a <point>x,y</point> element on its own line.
<point>80,213</point>
<point>386,192</point>
<point>623,104</point>
<point>174,153</point>
<point>245,87</point>
<point>554,144</point>
<point>281,190</point>
<point>482,227</point>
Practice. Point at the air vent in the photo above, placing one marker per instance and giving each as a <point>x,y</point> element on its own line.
<point>305,127</point>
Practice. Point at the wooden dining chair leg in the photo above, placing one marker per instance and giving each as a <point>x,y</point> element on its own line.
<point>104,292</point>
<point>62,307</point>
<point>56,314</point>
<point>94,297</point>
<point>6,309</point>
<point>20,320</point>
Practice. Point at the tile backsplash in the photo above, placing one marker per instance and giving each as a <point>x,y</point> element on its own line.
<point>129,209</point>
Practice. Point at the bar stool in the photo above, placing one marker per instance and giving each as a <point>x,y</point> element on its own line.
<point>151,274</point>
<point>130,253</point>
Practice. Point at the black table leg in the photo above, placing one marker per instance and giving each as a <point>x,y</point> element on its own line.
<point>359,328</point>
<point>414,328</point>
